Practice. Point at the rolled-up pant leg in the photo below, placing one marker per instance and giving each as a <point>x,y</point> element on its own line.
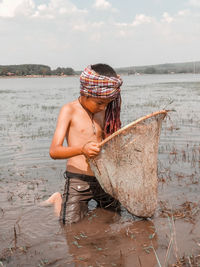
<point>75,199</point>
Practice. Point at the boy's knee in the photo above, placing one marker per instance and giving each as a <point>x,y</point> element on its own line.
<point>54,198</point>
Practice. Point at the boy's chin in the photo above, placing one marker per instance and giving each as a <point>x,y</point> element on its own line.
<point>97,111</point>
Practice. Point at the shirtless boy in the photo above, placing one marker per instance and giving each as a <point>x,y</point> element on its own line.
<point>84,123</point>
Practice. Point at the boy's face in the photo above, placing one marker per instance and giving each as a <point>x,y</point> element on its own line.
<point>95,105</point>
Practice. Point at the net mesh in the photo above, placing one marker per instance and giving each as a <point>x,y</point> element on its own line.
<point>126,168</point>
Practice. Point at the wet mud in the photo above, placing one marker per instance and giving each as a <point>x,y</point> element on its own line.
<point>31,235</point>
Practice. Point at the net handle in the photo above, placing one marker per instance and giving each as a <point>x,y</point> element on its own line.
<point>131,124</point>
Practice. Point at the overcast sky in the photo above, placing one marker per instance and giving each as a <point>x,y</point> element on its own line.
<point>121,33</point>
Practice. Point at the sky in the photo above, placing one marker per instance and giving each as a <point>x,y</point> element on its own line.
<point>121,33</point>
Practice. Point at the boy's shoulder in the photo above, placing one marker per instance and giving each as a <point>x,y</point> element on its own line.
<point>69,107</point>
<point>67,113</point>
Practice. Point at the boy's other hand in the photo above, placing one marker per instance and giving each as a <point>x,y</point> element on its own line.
<point>91,149</point>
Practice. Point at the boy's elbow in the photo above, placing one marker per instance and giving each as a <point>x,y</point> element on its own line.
<point>52,153</point>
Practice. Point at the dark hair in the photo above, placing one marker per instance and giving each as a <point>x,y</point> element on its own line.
<point>104,69</point>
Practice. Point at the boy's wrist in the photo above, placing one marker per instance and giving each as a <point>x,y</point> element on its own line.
<point>83,148</point>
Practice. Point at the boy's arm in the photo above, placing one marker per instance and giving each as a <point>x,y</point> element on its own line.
<point>57,150</point>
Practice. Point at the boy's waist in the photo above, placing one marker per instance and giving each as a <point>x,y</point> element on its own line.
<point>81,176</point>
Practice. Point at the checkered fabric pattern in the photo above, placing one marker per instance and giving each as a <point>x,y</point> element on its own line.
<point>96,85</point>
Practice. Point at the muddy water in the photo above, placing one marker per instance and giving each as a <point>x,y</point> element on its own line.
<point>30,235</point>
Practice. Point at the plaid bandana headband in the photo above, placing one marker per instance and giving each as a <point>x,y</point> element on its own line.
<point>96,85</point>
<point>99,86</point>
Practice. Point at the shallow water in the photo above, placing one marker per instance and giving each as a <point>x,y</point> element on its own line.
<point>31,235</point>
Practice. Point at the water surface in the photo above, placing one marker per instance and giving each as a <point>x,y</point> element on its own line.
<point>31,235</point>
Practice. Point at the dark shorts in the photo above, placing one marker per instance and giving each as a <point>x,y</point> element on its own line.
<point>79,190</point>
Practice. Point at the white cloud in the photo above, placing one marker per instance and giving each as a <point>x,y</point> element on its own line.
<point>42,7</point>
<point>195,3</point>
<point>80,27</point>
<point>167,18</point>
<point>102,4</point>
<point>141,19</point>
<point>84,26</point>
<point>121,24</point>
<point>184,12</point>
<point>95,37</point>
<point>126,30</point>
<point>56,8</point>
<point>122,33</point>
<point>10,8</point>
<point>97,24</point>
<point>63,10</point>
<point>27,8</point>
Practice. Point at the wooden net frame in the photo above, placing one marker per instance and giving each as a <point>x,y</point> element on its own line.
<point>126,167</point>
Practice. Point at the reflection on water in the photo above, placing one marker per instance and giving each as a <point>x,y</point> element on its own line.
<point>101,239</point>
<point>31,234</point>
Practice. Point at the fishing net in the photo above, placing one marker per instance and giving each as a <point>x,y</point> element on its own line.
<point>126,168</point>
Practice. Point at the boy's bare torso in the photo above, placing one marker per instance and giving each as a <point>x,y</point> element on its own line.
<point>82,129</point>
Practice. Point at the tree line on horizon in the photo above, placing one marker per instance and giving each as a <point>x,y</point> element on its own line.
<point>44,70</point>
<point>33,69</point>
<point>187,67</point>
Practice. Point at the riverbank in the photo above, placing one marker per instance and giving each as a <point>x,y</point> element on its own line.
<point>37,76</point>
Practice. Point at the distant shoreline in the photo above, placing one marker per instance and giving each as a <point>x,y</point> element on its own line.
<point>36,76</point>
<point>43,71</point>
<point>77,75</point>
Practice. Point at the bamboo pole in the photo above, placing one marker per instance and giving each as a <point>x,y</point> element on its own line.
<point>132,124</point>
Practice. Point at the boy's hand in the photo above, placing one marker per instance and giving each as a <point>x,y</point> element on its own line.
<point>91,149</point>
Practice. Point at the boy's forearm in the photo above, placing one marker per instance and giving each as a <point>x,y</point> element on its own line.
<point>61,152</point>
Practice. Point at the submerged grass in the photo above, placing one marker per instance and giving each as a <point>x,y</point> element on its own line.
<point>49,107</point>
